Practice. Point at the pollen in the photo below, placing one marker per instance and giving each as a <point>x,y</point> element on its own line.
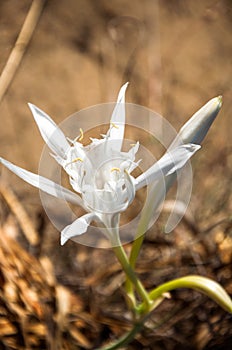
<point>114,125</point>
<point>115,169</point>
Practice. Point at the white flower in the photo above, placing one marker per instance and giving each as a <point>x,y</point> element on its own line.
<point>99,173</point>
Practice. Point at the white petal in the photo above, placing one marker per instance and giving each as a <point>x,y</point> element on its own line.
<point>50,132</point>
<point>131,153</point>
<point>130,187</point>
<point>196,128</point>
<point>43,184</point>
<point>77,228</point>
<point>118,119</point>
<point>134,149</point>
<point>168,164</point>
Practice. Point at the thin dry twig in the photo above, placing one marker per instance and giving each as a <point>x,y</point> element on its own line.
<point>23,219</point>
<point>20,45</point>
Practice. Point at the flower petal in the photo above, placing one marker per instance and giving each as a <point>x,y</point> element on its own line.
<point>118,119</point>
<point>50,132</point>
<point>43,184</point>
<point>196,128</point>
<point>129,192</point>
<point>168,164</point>
<point>77,228</point>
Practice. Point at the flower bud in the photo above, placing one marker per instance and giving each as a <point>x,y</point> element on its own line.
<point>196,128</point>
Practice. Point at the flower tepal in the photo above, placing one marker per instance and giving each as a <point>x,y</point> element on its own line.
<point>101,172</point>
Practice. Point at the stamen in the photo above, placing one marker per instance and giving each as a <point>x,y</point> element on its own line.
<point>81,135</point>
<point>115,169</point>
<point>74,161</point>
<point>114,125</point>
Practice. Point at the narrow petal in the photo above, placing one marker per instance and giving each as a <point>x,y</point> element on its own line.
<point>118,119</point>
<point>130,187</point>
<point>134,149</point>
<point>130,155</point>
<point>50,132</point>
<point>196,128</point>
<point>43,184</point>
<point>168,164</point>
<point>77,228</point>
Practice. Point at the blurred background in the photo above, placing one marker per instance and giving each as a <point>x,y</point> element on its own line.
<point>176,55</point>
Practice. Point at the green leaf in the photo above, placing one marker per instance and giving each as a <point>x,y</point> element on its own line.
<point>202,284</point>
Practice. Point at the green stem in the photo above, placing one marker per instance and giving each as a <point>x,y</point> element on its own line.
<point>155,197</point>
<point>136,246</point>
<point>127,338</point>
<point>123,259</point>
<point>128,269</point>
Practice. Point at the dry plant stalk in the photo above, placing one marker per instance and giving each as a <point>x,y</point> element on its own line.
<point>20,46</point>
<point>21,215</point>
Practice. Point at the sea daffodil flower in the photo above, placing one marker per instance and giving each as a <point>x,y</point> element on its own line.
<point>99,173</point>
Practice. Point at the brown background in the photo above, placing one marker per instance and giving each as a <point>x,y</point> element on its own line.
<point>176,55</point>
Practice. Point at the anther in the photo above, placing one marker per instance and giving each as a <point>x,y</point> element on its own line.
<point>115,169</point>
<point>77,160</point>
<point>81,135</point>
<point>114,125</point>
<point>74,161</point>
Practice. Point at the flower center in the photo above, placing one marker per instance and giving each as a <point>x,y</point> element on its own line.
<point>105,188</point>
<point>100,172</point>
